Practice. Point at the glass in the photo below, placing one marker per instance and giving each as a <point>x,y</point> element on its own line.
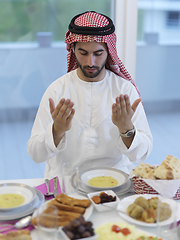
<point>47,222</point>
<point>67,171</point>
<point>167,219</point>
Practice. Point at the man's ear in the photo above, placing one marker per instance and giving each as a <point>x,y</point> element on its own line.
<point>72,47</point>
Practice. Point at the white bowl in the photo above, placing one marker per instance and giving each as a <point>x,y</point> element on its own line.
<point>119,175</point>
<point>102,207</point>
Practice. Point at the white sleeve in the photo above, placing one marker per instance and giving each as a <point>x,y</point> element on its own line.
<point>41,145</point>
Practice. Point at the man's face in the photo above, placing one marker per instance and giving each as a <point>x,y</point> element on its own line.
<point>91,58</point>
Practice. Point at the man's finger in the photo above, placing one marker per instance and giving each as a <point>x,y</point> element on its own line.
<point>67,110</point>
<point>51,105</point>
<point>71,115</point>
<point>135,104</point>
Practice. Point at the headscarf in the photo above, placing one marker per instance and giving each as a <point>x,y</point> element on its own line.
<point>89,27</point>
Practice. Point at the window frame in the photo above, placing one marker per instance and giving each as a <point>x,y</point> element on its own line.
<point>126,12</point>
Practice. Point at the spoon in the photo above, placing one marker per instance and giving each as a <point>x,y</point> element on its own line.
<point>48,194</point>
<point>22,223</point>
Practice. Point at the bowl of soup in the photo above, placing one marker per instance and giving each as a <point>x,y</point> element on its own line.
<point>104,178</point>
<point>15,195</point>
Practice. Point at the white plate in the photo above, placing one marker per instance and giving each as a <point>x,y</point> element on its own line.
<point>26,191</point>
<point>119,175</point>
<point>86,215</point>
<point>125,202</point>
<point>84,190</point>
<point>22,212</point>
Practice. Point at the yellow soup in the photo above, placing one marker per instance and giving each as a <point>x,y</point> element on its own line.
<point>10,200</point>
<point>103,181</point>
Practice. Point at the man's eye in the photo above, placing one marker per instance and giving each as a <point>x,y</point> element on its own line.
<point>83,53</point>
<point>98,54</point>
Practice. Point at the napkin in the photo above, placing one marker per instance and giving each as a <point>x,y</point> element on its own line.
<point>10,227</point>
<point>42,188</point>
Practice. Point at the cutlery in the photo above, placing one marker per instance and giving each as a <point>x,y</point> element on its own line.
<point>48,194</point>
<point>55,192</point>
<point>22,223</point>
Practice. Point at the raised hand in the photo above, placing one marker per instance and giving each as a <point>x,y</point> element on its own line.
<point>62,115</point>
<point>122,112</point>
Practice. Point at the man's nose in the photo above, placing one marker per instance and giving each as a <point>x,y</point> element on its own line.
<point>90,60</point>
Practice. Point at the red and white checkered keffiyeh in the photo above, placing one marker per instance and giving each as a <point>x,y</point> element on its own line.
<point>93,19</point>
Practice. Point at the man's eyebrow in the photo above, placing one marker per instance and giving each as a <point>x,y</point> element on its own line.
<point>100,50</point>
<point>81,49</point>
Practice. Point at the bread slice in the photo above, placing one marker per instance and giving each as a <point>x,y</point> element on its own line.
<point>16,235</point>
<point>144,170</point>
<point>169,169</point>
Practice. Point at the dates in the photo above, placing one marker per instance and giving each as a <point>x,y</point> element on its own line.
<point>103,198</point>
<point>79,228</point>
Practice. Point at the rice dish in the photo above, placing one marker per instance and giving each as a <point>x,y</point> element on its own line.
<point>105,232</point>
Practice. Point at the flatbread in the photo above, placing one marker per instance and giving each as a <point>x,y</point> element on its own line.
<point>169,169</point>
<point>144,170</point>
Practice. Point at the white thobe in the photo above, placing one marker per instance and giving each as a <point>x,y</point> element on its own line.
<point>93,138</point>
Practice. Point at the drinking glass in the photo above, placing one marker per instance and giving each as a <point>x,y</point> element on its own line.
<point>67,171</point>
<point>167,219</point>
<point>47,222</point>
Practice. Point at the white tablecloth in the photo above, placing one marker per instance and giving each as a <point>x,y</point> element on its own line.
<point>97,218</point>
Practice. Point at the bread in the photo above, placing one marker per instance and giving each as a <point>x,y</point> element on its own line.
<point>144,170</point>
<point>169,169</point>
<point>63,198</point>
<point>17,235</point>
<point>68,209</point>
<point>65,207</point>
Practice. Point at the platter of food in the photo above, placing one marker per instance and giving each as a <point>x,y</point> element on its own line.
<point>103,178</point>
<point>134,208</point>
<point>116,229</point>
<point>15,195</point>
<point>69,208</point>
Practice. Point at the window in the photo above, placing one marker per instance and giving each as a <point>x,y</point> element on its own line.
<point>173,19</point>
<point>32,55</point>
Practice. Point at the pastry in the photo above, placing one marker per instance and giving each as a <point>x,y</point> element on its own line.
<point>17,235</point>
<point>63,198</point>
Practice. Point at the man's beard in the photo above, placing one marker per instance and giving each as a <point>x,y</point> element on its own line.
<point>91,74</point>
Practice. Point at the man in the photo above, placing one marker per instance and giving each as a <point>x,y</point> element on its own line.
<point>93,115</point>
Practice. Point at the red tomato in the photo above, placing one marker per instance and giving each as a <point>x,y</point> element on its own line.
<point>125,231</point>
<point>115,228</point>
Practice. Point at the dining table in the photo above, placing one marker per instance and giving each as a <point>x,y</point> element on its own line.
<point>97,218</point>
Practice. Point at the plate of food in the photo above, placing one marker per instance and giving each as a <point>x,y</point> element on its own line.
<point>15,195</point>
<point>69,208</point>
<point>141,209</point>
<point>116,228</point>
<point>103,178</point>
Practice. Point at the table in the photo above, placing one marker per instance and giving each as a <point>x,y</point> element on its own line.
<point>97,218</point>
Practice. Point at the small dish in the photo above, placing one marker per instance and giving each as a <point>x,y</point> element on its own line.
<point>102,207</point>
